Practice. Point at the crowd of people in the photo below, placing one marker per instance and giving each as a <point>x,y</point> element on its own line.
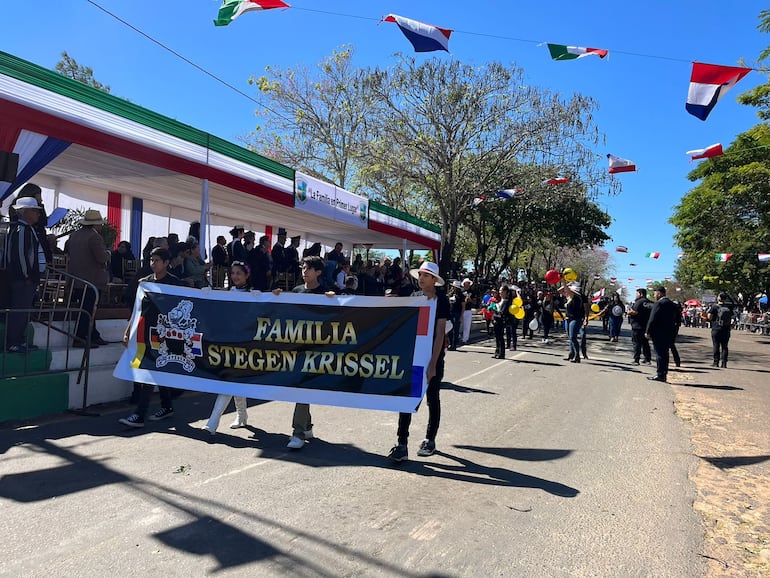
<point>512,311</point>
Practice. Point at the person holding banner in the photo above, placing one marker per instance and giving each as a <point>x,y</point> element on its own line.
<point>239,281</point>
<point>428,279</point>
<point>159,261</point>
<point>302,424</point>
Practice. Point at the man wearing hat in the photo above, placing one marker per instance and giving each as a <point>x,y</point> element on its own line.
<point>428,279</point>
<point>235,250</point>
<point>639,315</point>
<point>280,264</point>
<point>25,264</point>
<point>88,258</point>
<point>470,300</point>
<point>291,253</point>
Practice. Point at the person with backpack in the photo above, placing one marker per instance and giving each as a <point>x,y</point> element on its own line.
<point>721,317</point>
<point>24,263</point>
<point>639,315</point>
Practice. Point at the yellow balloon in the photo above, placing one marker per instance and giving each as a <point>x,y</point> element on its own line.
<point>569,275</point>
<point>513,309</point>
<point>595,308</point>
<point>519,314</point>
<point>518,301</point>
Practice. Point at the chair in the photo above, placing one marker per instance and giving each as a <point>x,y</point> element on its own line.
<point>130,269</point>
<point>218,276</point>
<point>60,261</point>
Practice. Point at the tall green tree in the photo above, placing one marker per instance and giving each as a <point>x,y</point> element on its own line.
<point>70,68</point>
<point>728,212</point>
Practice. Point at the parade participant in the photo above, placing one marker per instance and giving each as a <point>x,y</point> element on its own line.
<point>614,312</point>
<point>159,261</point>
<point>428,279</point>
<point>575,316</point>
<point>239,281</point>
<point>639,315</point>
<point>720,315</point>
<point>302,424</point>
<point>501,320</point>
<point>546,315</point>
<point>660,328</point>
<point>471,301</point>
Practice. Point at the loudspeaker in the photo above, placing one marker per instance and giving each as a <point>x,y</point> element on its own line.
<point>9,166</point>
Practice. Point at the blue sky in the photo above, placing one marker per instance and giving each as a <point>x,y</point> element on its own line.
<point>641,88</point>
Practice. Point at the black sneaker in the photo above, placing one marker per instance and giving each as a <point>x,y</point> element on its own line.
<point>134,420</point>
<point>162,413</point>
<point>427,448</point>
<point>398,453</point>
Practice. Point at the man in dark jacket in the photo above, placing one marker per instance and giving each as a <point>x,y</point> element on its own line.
<point>639,315</point>
<point>721,318</point>
<point>661,328</point>
<point>25,264</point>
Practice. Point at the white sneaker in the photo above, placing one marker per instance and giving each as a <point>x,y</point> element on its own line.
<point>206,428</point>
<point>296,443</point>
<point>238,424</point>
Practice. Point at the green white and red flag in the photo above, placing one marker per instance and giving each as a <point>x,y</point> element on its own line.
<point>562,52</point>
<point>653,255</point>
<point>723,257</point>
<point>231,9</point>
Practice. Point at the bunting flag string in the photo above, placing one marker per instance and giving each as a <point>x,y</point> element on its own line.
<point>424,37</point>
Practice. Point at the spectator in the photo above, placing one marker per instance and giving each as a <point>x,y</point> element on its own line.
<point>661,329</point>
<point>123,253</point>
<point>195,268</point>
<point>25,265</point>
<point>639,315</point>
<point>261,265</point>
<point>33,191</point>
<point>720,315</point>
<point>235,249</point>
<point>219,256</point>
<point>88,257</point>
<point>470,301</point>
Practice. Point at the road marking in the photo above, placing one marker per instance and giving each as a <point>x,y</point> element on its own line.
<point>237,471</point>
<point>500,362</point>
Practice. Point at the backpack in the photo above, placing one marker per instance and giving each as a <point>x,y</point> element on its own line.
<point>724,316</point>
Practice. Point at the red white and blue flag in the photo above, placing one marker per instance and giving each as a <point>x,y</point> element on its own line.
<point>714,150</point>
<point>424,37</point>
<point>35,152</point>
<point>619,165</point>
<point>596,297</point>
<point>556,181</point>
<point>708,84</point>
<point>621,249</point>
<point>508,193</point>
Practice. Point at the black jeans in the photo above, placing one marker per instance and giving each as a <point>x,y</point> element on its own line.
<point>434,408</point>
<point>641,345</point>
<point>719,340</point>
<point>500,327</point>
<point>662,347</point>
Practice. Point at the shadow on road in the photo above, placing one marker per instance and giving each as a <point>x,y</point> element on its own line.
<point>727,462</point>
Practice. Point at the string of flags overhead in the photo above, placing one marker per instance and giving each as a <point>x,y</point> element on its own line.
<point>708,82</point>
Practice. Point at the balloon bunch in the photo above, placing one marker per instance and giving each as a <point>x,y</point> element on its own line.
<point>552,277</point>
<point>516,309</point>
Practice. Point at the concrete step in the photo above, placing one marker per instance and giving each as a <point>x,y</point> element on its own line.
<point>110,329</point>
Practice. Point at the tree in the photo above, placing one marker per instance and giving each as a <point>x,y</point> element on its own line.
<point>69,67</point>
<point>317,119</point>
<point>455,132</point>
<point>728,212</point>
<point>426,138</point>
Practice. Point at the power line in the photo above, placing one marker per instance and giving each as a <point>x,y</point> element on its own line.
<point>185,59</point>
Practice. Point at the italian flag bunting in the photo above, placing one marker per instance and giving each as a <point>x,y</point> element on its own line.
<point>723,257</point>
<point>561,52</point>
<point>231,9</point>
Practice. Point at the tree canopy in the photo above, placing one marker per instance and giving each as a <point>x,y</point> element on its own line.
<point>70,68</point>
<point>428,137</point>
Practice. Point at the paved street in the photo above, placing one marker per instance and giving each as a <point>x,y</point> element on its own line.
<point>544,468</point>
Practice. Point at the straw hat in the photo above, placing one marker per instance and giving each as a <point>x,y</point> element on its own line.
<point>430,268</point>
<point>92,217</point>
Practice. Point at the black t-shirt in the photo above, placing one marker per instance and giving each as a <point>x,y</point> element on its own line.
<point>302,289</point>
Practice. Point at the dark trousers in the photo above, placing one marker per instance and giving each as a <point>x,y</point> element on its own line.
<point>22,297</point>
<point>87,298</point>
<point>662,347</point>
<point>641,345</point>
<point>547,321</point>
<point>500,327</point>
<point>455,334</point>
<point>145,391</point>
<point>674,352</point>
<point>527,329</point>
<point>719,340</point>
<point>434,408</point>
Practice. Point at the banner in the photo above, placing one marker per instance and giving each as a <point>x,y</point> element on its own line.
<point>349,351</point>
<point>325,200</point>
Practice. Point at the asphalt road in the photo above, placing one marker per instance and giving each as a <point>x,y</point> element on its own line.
<point>544,468</point>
